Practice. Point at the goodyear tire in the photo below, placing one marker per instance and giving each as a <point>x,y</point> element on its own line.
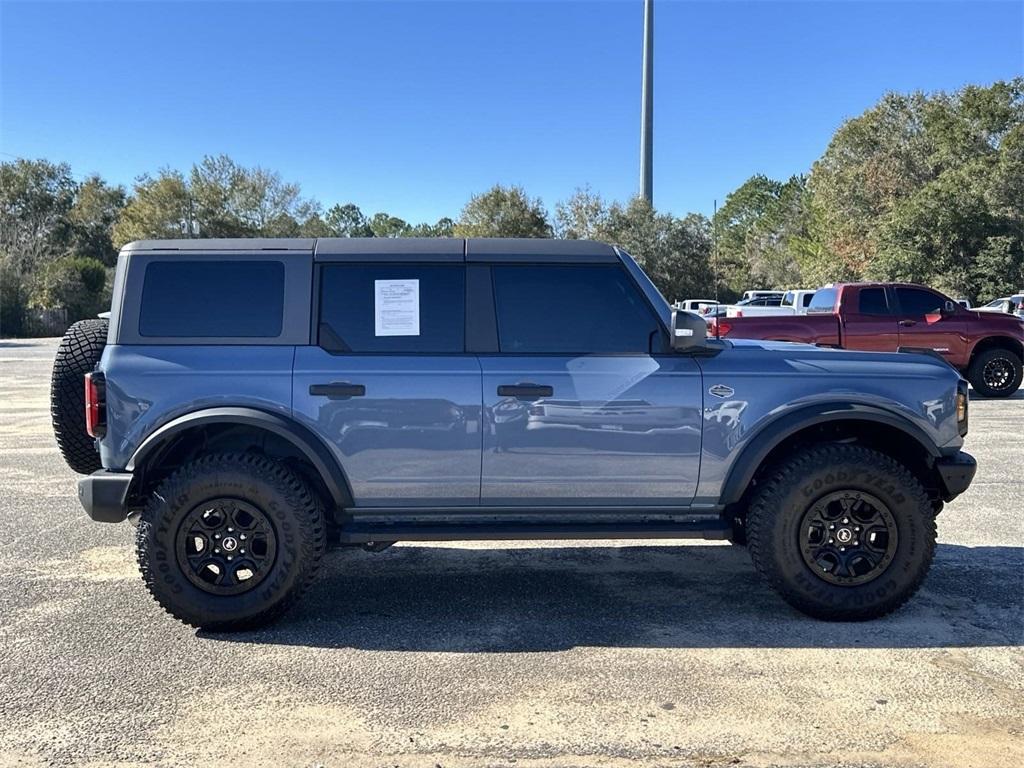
<point>995,373</point>
<point>77,355</point>
<point>842,532</point>
<point>230,541</point>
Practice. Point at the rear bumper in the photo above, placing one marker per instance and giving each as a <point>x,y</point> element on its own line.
<point>956,473</point>
<point>103,495</point>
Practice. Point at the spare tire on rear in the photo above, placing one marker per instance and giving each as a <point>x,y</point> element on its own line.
<point>77,355</point>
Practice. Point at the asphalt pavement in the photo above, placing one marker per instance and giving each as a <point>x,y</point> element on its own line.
<point>536,655</point>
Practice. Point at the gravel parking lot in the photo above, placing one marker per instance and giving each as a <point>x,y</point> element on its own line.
<point>545,654</point>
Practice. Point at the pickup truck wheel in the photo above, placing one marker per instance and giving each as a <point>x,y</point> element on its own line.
<point>995,372</point>
<point>842,532</point>
<point>77,355</point>
<point>230,541</point>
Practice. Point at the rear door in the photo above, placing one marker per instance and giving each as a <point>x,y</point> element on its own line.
<point>868,319</point>
<point>583,403</point>
<point>389,383</point>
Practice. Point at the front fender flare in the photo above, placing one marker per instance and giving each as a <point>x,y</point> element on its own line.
<point>771,435</point>
<point>311,446</point>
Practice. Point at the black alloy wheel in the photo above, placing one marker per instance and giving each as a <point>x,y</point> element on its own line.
<point>226,546</point>
<point>997,373</point>
<point>848,538</point>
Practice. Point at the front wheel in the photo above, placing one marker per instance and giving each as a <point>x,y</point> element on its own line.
<point>842,532</point>
<point>230,541</point>
<point>996,372</point>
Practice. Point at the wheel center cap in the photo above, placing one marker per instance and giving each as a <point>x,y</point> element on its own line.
<point>844,535</point>
<point>230,544</point>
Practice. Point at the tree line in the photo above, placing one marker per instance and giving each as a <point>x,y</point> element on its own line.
<point>925,188</point>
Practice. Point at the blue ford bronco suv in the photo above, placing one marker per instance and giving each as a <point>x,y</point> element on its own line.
<point>251,403</point>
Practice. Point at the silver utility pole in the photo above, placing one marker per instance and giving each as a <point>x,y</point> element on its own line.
<point>647,108</point>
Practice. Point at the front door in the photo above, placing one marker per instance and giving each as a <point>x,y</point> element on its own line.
<point>390,385</point>
<point>923,323</point>
<point>582,404</point>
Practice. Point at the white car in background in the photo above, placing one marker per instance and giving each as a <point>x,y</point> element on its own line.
<point>793,303</point>
<point>1011,305</point>
<point>700,306</point>
<point>748,295</point>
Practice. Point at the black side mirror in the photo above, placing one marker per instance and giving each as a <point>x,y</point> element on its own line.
<point>949,308</point>
<point>689,331</point>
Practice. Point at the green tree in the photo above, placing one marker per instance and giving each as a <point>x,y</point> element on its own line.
<point>919,187</point>
<point>761,232</point>
<point>674,252</point>
<point>35,199</point>
<point>156,208</point>
<point>386,225</point>
<point>75,283</point>
<point>347,221</point>
<point>92,217</point>
<point>503,212</point>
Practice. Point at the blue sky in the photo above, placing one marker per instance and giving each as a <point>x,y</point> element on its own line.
<point>411,106</point>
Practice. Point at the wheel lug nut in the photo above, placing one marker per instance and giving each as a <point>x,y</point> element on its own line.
<point>831,527</point>
<point>216,535</point>
<point>243,551</point>
<point>232,530</point>
<point>845,521</point>
<point>229,557</point>
<point>242,536</point>
<point>831,541</point>
<point>841,549</point>
<point>216,551</point>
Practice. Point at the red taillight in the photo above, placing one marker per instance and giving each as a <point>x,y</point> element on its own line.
<point>739,313</point>
<point>95,405</point>
<point>724,328</point>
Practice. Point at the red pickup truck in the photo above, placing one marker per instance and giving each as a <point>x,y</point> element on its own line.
<point>986,347</point>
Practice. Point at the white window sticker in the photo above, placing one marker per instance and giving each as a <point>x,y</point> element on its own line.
<point>396,307</point>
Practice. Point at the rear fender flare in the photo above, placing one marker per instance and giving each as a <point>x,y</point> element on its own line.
<point>311,446</point>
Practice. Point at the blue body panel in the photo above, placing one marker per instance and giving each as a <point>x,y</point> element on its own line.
<point>149,386</point>
<point>615,431</point>
<point>413,439</point>
<point>770,380</point>
<point>621,430</point>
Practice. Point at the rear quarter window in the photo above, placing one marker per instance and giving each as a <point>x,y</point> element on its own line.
<point>823,302</point>
<point>203,299</point>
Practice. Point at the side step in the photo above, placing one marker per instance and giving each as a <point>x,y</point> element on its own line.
<point>360,532</point>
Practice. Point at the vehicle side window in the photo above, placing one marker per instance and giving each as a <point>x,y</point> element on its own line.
<point>872,301</point>
<point>586,309</point>
<point>823,301</point>
<point>205,298</point>
<point>425,312</point>
<point>789,299</point>
<point>917,302</point>
<point>807,300</point>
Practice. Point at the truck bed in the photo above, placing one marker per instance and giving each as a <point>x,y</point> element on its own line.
<point>822,329</point>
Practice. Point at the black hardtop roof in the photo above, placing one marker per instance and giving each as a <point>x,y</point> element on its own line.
<point>505,249</point>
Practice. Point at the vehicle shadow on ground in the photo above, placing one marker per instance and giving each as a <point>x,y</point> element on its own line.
<point>449,599</point>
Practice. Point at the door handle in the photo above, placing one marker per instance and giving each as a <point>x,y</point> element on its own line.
<point>337,390</point>
<point>907,323</point>
<point>525,391</point>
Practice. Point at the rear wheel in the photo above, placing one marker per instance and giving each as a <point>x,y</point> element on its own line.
<point>996,372</point>
<point>230,541</point>
<point>842,532</point>
<point>77,355</point>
